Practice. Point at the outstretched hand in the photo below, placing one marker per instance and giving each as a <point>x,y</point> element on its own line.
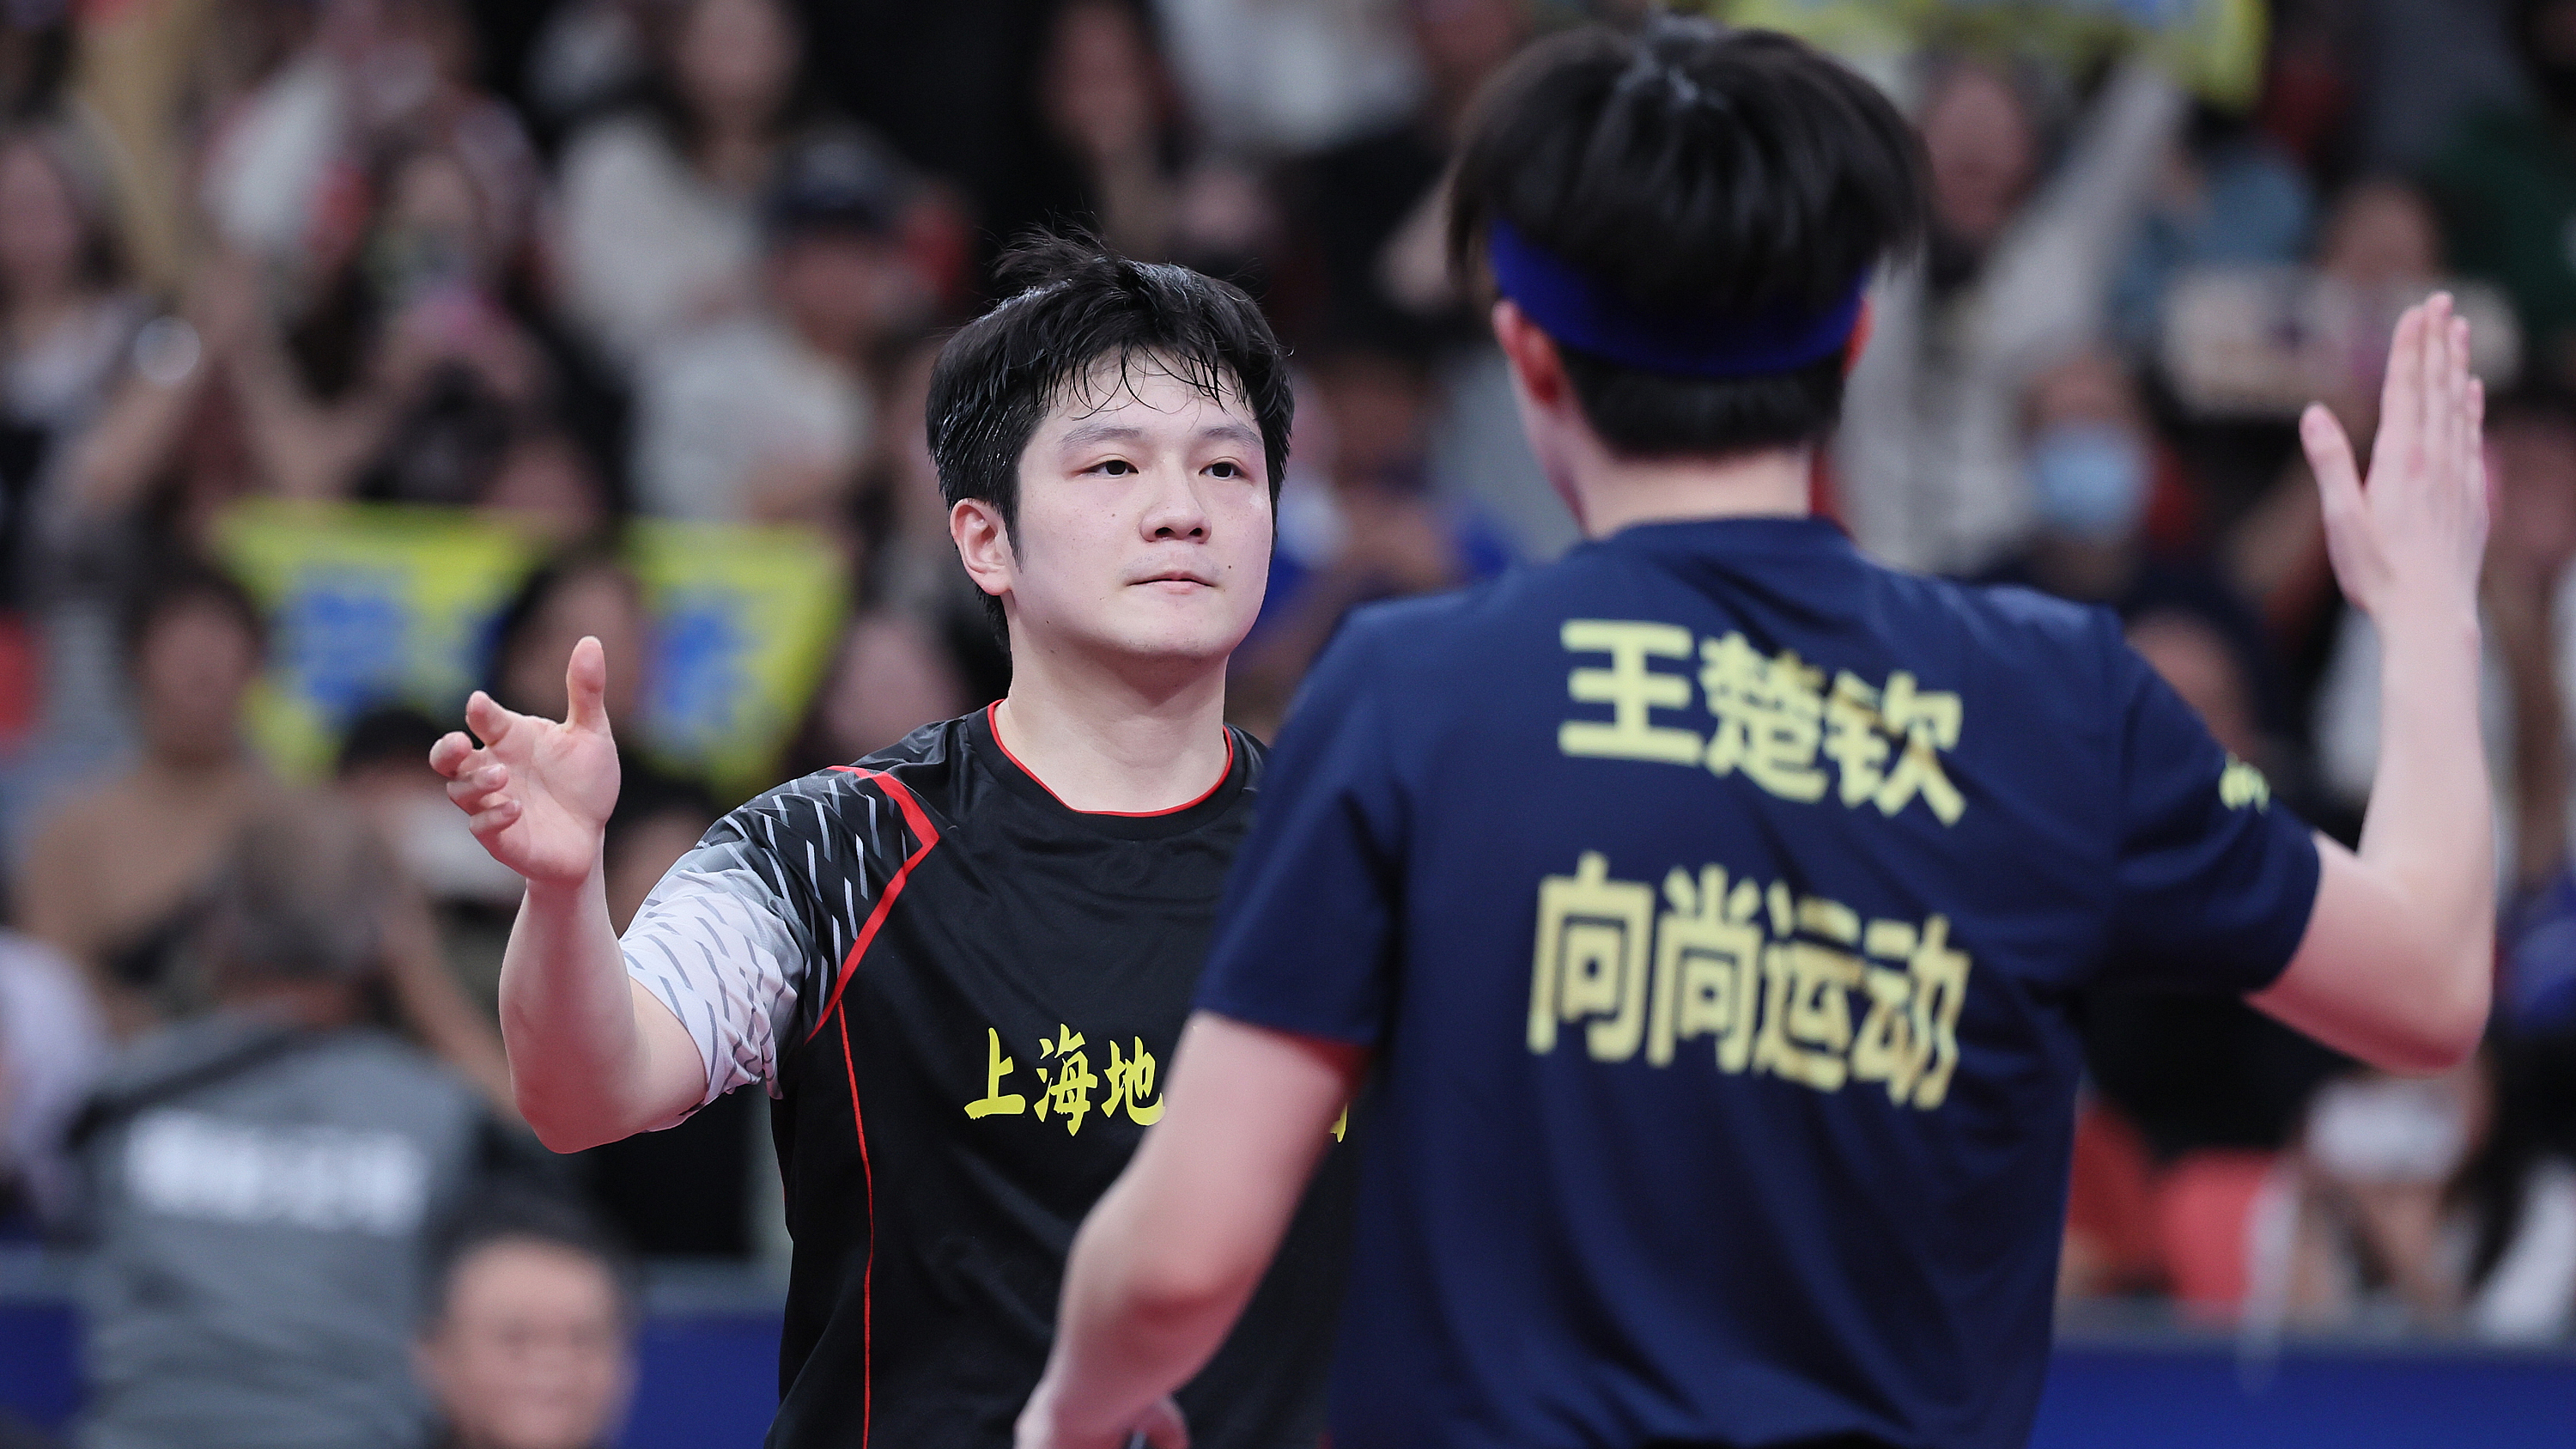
<point>538,792</point>
<point>2412,540</point>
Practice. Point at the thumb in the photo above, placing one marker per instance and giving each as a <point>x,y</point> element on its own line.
<point>2330,458</point>
<point>586,687</point>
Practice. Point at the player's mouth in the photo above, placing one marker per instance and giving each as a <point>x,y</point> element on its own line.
<point>1176,581</point>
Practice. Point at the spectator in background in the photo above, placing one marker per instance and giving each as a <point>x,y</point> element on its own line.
<point>380,773</point>
<point>67,326</point>
<point>400,381</point>
<point>586,590</point>
<point>2225,196</point>
<point>263,1182</point>
<point>547,484</point>
<point>116,875</point>
<point>658,224</point>
<point>1128,159</point>
<point>529,1342</point>
<point>68,336</point>
<point>2017,275</point>
<point>384,755</point>
<point>2526,586</point>
<point>765,417</point>
<point>891,676</point>
<point>2193,1073</point>
<point>52,1045</point>
<point>1375,203</point>
<point>1112,107</point>
<point>1381,532</point>
<point>2424,1204</point>
<point>2094,469</point>
<point>2506,185</point>
<point>908,566</point>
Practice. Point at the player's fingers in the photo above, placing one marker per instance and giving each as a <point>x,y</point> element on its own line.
<point>586,687</point>
<point>2480,483</point>
<point>450,753</point>
<point>2401,392</point>
<point>473,800</point>
<point>2451,394</point>
<point>501,816</point>
<point>485,716</point>
<point>2330,458</point>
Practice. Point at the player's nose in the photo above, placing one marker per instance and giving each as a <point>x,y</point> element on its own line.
<point>1174,510</point>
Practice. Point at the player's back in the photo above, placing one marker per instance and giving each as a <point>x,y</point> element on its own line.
<point>1728,1071</point>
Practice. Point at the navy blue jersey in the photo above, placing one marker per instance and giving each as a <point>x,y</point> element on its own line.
<point>1714,900</point>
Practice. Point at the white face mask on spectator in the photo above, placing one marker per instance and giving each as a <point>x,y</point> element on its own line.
<point>2381,1129</point>
<point>2089,480</point>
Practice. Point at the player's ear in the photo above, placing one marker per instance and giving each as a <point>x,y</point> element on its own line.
<point>1531,353</point>
<point>983,544</point>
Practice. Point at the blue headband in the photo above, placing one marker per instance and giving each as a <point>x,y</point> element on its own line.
<point>1580,314</point>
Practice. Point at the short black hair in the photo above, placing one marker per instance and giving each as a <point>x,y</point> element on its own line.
<point>1686,167</point>
<point>508,1211</point>
<point>184,583</point>
<point>1075,303</point>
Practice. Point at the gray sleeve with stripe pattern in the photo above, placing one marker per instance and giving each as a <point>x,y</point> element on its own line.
<point>720,943</point>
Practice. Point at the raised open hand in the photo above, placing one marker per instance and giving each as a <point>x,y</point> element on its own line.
<point>2414,537</point>
<point>538,792</point>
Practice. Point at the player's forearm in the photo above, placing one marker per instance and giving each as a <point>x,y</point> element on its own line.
<point>568,1018</point>
<point>1135,1322</point>
<point>2430,830</point>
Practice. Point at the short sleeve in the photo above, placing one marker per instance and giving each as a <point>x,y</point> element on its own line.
<point>717,942</point>
<point>2213,879</point>
<point>1305,940</point>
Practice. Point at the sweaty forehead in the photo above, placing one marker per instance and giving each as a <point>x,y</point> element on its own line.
<point>1145,389</point>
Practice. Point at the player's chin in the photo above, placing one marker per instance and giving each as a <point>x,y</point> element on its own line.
<point>1207,625</point>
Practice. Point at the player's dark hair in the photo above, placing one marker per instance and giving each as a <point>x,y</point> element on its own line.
<point>1687,168</point>
<point>1076,305</point>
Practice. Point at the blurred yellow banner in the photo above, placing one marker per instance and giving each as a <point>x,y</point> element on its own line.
<point>2212,47</point>
<point>378,603</point>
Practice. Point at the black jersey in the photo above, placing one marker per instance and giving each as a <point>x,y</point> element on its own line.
<point>964,995</point>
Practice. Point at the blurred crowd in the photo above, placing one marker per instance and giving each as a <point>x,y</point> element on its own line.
<point>563,266</point>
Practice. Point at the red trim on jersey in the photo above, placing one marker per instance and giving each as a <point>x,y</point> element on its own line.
<point>995,722</point>
<point>928,834</point>
<point>868,1270</point>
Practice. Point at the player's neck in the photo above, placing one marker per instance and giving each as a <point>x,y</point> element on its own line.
<point>1104,742</point>
<point>1610,493</point>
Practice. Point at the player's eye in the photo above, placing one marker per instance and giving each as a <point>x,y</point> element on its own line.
<point>1115,467</point>
<point>1226,470</point>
